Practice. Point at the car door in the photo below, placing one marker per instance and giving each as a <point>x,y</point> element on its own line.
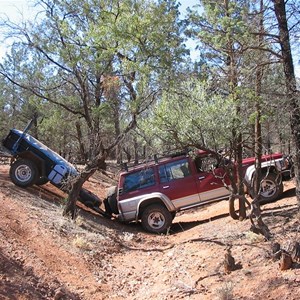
<point>178,183</point>
<point>211,180</point>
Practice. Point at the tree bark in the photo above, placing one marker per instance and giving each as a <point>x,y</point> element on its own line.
<point>98,162</point>
<point>291,87</point>
<point>89,170</point>
<point>258,137</point>
<point>80,140</point>
<point>236,133</point>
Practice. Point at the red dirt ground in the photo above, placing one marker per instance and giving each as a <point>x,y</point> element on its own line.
<point>46,256</point>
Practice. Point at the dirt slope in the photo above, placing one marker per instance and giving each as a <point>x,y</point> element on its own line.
<point>45,256</point>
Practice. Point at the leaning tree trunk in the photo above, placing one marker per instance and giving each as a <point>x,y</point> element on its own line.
<point>76,185</point>
<point>291,87</point>
<point>98,162</point>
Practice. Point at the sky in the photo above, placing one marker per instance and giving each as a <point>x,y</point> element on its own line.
<point>17,9</point>
<point>13,8</point>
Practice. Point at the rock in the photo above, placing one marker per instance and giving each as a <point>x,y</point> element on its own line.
<point>285,262</point>
<point>229,262</point>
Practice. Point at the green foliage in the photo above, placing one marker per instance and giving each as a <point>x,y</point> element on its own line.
<point>67,58</point>
<point>219,29</point>
<point>192,114</point>
<point>98,65</point>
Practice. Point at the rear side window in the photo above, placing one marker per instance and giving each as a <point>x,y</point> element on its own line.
<point>174,170</point>
<point>139,180</point>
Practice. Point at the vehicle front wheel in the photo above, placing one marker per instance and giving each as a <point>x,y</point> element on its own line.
<point>23,173</point>
<point>156,218</point>
<point>271,187</point>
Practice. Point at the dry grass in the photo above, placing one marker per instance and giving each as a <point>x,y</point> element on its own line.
<point>225,292</point>
<point>82,243</point>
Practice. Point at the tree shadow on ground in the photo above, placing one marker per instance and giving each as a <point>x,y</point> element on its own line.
<point>283,210</point>
<point>186,225</point>
<point>286,194</point>
<point>94,221</point>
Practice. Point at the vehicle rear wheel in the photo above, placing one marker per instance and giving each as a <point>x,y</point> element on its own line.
<point>156,218</point>
<point>271,187</point>
<point>111,201</point>
<point>23,173</point>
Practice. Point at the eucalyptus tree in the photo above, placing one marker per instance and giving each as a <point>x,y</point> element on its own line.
<point>98,60</point>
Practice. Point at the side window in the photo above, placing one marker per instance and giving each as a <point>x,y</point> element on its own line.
<point>139,180</point>
<point>174,170</point>
<point>205,164</point>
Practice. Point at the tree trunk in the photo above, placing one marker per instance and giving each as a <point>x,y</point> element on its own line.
<point>136,152</point>
<point>70,208</point>
<point>89,170</point>
<point>116,115</point>
<point>95,164</point>
<point>291,87</point>
<point>258,137</point>
<point>80,140</point>
<point>236,134</point>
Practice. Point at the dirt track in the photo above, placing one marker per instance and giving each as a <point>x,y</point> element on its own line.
<point>44,256</point>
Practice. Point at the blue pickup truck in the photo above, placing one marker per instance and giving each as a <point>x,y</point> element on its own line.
<point>33,163</point>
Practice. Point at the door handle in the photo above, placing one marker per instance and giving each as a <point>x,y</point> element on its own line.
<point>201,177</point>
<point>166,186</point>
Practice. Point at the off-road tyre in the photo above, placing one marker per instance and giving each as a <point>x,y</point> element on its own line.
<point>24,173</point>
<point>271,188</point>
<point>156,218</point>
<point>111,205</point>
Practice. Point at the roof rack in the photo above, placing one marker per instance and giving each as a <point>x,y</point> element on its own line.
<point>156,158</point>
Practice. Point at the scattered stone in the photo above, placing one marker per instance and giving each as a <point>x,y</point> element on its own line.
<point>229,262</point>
<point>285,262</point>
<point>59,294</point>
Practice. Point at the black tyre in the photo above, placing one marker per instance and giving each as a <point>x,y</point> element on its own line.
<point>23,173</point>
<point>156,218</point>
<point>110,202</point>
<point>271,187</point>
